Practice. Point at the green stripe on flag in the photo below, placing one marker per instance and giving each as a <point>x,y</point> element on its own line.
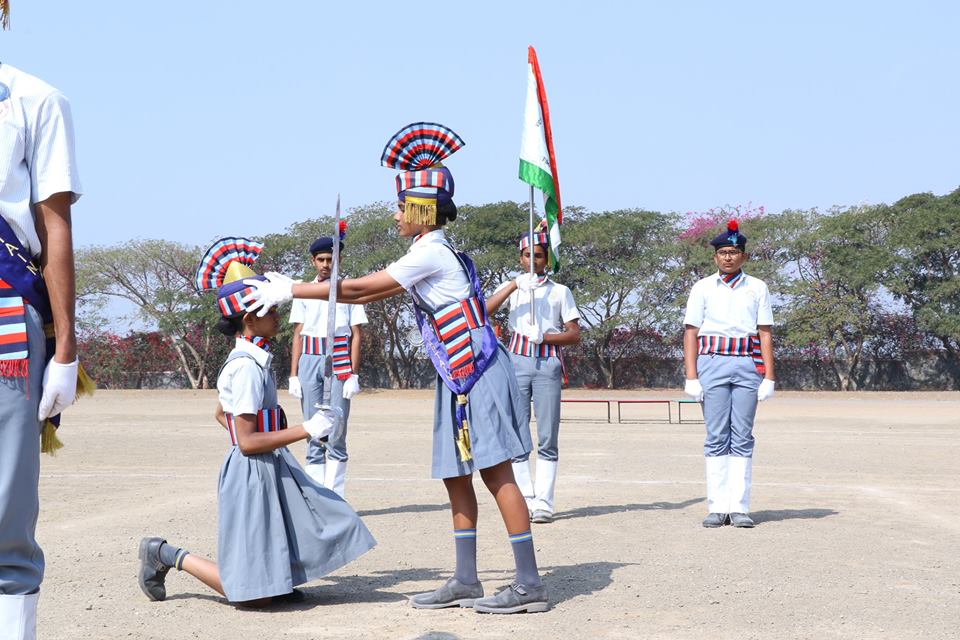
<point>541,179</point>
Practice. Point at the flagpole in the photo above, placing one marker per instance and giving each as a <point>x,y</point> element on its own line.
<point>533,311</point>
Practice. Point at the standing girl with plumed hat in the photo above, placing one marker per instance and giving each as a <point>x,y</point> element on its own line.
<point>476,424</point>
<point>277,528</point>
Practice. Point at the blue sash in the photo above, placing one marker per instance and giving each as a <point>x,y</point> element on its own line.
<point>461,383</point>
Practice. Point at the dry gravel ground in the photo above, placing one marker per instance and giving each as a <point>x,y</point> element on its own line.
<point>856,498</point>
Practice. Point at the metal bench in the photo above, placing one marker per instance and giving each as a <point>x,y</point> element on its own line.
<point>590,400</point>
<point>680,404</point>
<point>632,401</point>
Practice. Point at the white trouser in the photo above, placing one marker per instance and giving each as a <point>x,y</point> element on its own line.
<point>18,617</point>
<point>335,476</point>
<point>728,484</point>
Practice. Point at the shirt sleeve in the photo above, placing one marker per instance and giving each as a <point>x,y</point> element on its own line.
<point>764,310</point>
<point>53,163</point>
<point>695,307</point>
<point>247,387</point>
<point>568,308</point>
<point>297,311</point>
<point>358,315</point>
<point>414,267</point>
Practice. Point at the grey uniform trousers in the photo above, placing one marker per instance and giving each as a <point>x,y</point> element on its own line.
<point>540,379</point>
<point>730,386</point>
<point>310,373</point>
<point>21,560</point>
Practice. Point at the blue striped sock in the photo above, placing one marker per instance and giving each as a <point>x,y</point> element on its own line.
<point>466,545</point>
<point>526,559</point>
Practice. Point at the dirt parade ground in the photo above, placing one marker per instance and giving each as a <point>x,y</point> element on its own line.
<point>856,497</point>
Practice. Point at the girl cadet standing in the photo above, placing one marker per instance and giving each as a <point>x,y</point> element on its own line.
<point>476,424</point>
<point>326,462</point>
<point>536,356</point>
<point>277,527</point>
<point>728,358</point>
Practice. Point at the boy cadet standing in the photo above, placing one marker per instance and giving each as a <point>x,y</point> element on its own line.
<point>327,464</point>
<point>535,350</point>
<point>38,375</point>
<point>728,358</point>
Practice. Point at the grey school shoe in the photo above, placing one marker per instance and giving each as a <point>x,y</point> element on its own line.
<point>715,520</point>
<point>541,516</point>
<point>741,520</point>
<point>452,594</point>
<point>153,573</point>
<point>516,598</point>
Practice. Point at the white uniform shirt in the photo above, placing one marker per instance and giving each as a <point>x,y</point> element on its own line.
<point>432,270</point>
<point>36,150</point>
<point>240,385</point>
<point>312,314</point>
<point>719,310</point>
<point>553,302</point>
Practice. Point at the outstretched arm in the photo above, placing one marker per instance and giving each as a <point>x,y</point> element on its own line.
<point>497,298</point>
<point>369,288</point>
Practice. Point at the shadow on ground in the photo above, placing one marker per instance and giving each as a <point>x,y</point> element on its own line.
<point>407,508</point>
<point>602,510</point>
<point>773,515</point>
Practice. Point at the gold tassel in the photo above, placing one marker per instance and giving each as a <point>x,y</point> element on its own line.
<point>85,384</point>
<point>463,435</point>
<point>5,11</point>
<point>49,442</point>
<point>417,213</point>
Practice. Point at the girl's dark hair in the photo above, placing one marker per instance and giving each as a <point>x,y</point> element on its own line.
<point>230,326</point>
<point>446,212</point>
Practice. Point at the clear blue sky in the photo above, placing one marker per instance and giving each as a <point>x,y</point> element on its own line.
<point>206,118</point>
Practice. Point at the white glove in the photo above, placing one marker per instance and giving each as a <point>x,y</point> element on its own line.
<point>766,389</point>
<point>526,283</point>
<point>694,389</point>
<point>295,389</point>
<point>531,332</point>
<point>59,388</point>
<point>277,289</point>
<point>351,386</point>
<point>323,423</point>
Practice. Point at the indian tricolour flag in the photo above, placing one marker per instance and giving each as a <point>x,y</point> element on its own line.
<point>538,165</point>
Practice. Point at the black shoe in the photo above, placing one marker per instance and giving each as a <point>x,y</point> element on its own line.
<point>741,520</point>
<point>153,573</point>
<point>715,520</point>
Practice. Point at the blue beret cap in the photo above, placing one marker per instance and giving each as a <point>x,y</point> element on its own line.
<point>323,245</point>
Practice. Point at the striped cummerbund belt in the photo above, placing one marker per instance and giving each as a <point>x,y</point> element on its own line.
<point>522,346</point>
<point>342,367</point>
<point>724,346</point>
<point>267,420</point>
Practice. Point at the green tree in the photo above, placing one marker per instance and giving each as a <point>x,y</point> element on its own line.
<point>156,276</point>
<point>925,268</point>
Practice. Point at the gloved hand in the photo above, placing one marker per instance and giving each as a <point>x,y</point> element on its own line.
<point>351,386</point>
<point>526,283</point>
<point>277,289</point>
<point>694,389</point>
<point>766,389</point>
<point>323,423</point>
<point>531,332</point>
<point>59,388</point>
<point>295,389</point>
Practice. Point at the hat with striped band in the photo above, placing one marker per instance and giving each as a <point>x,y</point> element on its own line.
<point>417,150</point>
<point>224,267</point>
<point>540,236</point>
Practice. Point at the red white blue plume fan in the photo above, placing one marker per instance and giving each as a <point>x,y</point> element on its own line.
<point>212,272</point>
<point>420,145</point>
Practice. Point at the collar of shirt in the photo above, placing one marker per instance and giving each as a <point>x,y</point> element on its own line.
<point>422,242</point>
<point>262,357</point>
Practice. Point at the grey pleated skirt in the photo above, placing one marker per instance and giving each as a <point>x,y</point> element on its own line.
<point>493,411</point>
<point>278,528</point>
